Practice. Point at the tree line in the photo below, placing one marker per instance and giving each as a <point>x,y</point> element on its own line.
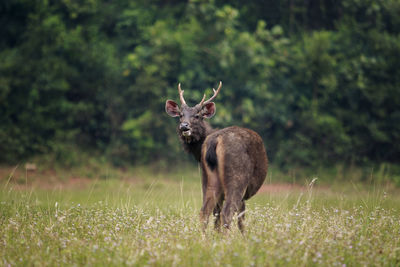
<point>319,80</point>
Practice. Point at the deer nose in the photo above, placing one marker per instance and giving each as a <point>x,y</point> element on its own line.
<point>184,126</point>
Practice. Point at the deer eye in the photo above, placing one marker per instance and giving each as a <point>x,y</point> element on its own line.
<point>197,116</point>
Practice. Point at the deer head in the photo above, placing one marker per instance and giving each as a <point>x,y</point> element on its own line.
<point>192,127</point>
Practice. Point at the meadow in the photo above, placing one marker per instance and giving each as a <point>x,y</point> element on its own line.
<point>145,219</point>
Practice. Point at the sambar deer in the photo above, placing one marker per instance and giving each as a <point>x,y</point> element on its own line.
<point>233,160</point>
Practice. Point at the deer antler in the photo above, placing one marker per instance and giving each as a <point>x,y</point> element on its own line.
<point>183,102</point>
<point>216,92</point>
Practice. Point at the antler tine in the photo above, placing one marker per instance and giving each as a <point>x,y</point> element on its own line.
<point>216,92</point>
<point>202,100</point>
<point>183,102</point>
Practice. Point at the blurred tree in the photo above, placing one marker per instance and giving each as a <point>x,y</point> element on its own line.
<point>319,80</point>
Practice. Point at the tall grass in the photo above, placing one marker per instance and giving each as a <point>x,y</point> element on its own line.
<point>155,223</point>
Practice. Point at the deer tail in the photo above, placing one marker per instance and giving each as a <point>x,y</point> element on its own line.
<point>211,154</point>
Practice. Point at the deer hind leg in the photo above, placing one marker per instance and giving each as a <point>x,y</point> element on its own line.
<point>217,213</point>
<point>233,204</point>
<point>241,216</point>
<point>235,188</point>
<point>211,197</point>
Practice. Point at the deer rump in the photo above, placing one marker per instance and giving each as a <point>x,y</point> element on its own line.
<point>235,165</point>
<point>238,157</point>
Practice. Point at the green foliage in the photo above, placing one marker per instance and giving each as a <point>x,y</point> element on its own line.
<point>318,81</point>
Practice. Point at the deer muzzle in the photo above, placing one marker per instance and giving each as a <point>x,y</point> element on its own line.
<point>185,129</point>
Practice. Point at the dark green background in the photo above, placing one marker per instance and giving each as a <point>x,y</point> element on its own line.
<point>319,80</point>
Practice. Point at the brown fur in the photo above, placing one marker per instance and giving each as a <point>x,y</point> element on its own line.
<point>233,160</point>
<point>242,167</point>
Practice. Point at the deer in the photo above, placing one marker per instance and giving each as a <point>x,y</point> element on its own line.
<point>233,160</point>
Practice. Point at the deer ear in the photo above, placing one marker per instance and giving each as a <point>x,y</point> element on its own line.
<point>172,108</point>
<point>209,110</point>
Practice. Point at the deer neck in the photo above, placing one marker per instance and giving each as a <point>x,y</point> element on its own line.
<point>194,147</point>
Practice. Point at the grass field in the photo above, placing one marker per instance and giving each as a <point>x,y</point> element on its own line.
<point>146,220</point>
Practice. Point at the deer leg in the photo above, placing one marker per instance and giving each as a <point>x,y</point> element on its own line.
<point>217,214</point>
<point>241,216</point>
<point>209,204</point>
<point>232,204</point>
<point>205,212</point>
<point>211,198</point>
